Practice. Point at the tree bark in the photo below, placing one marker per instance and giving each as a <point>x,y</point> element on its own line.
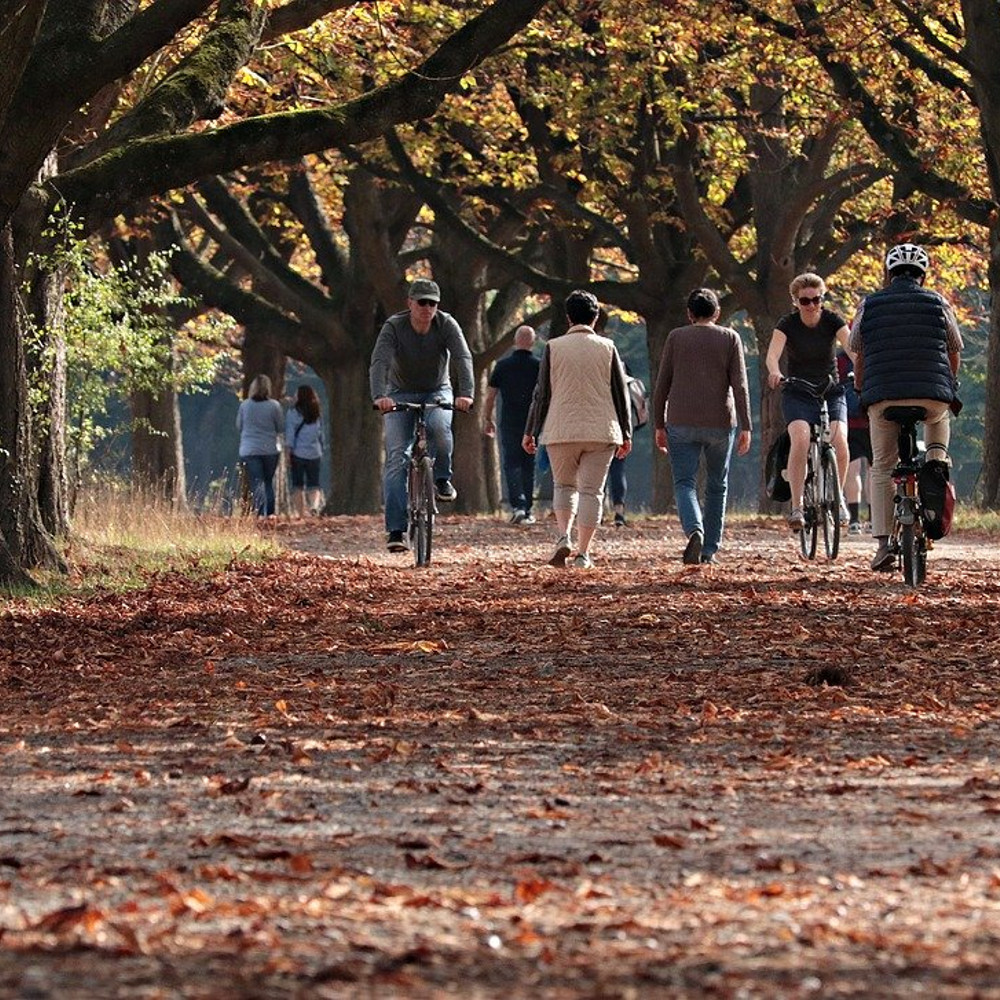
<point>157,453</point>
<point>355,436</point>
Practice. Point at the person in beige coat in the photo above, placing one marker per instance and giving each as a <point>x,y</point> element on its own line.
<point>580,412</point>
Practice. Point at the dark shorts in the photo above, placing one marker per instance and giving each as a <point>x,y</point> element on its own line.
<point>305,473</point>
<point>799,406</point>
<point>859,443</point>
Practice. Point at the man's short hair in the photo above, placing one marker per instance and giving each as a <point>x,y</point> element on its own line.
<point>424,288</point>
<point>582,306</point>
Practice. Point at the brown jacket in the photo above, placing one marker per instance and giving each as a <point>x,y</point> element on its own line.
<point>702,380</point>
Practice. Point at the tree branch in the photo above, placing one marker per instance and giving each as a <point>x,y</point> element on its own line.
<point>152,166</point>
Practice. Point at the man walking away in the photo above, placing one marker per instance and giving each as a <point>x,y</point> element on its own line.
<point>701,396</point>
<point>513,379</point>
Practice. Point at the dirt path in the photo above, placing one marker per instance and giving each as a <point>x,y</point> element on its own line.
<point>339,776</point>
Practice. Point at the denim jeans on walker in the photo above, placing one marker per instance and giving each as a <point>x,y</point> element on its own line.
<point>260,480</point>
<point>399,444</point>
<point>687,445</point>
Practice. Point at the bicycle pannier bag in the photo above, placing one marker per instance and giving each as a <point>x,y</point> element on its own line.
<point>775,484</point>
<point>937,495</point>
<point>640,405</point>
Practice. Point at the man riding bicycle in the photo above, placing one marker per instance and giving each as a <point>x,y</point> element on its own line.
<point>908,349</point>
<point>410,364</point>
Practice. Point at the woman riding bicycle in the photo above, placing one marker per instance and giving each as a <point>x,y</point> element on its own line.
<point>811,334</point>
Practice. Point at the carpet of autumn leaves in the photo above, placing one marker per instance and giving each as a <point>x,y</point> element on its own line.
<point>335,775</point>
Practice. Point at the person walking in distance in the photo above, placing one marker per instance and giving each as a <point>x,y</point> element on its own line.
<point>513,379</point>
<point>908,349</point>
<point>700,398</point>
<point>580,412</point>
<point>304,440</point>
<point>260,422</point>
<point>410,363</point>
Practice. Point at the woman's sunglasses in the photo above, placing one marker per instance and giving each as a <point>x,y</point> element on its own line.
<point>812,300</point>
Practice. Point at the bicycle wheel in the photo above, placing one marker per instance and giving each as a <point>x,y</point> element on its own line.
<point>422,519</point>
<point>914,548</point>
<point>830,503</point>
<point>809,534</point>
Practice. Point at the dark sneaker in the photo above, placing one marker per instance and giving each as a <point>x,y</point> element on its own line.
<point>692,552</point>
<point>518,516</point>
<point>854,528</point>
<point>444,491</point>
<point>884,560</point>
<point>620,521</point>
<point>707,560</point>
<point>561,553</point>
<point>396,542</point>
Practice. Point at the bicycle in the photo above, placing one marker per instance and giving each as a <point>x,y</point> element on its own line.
<point>908,539</point>
<point>821,496</point>
<point>421,496</point>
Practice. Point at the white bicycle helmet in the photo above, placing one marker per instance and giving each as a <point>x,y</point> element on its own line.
<point>908,254</point>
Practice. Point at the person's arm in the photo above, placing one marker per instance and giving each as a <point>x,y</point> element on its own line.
<point>461,359</point>
<point>844,339</point>
<point>489,402</point>
<point>740,384</point>
<point>623,406</point>
<point>661,392</point>
<point>771,362</point>
<point>381,362</point>
<point>539,406</point>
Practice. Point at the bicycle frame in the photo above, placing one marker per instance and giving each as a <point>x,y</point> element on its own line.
<point>421,498</point>
<point>821,497</point>
<point>908,539</point>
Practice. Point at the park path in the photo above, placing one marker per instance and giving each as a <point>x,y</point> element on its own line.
<point>335,775</point>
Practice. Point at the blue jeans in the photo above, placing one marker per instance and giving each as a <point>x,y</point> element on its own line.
<point>687,445</point>
<point>399,445</point>
<point>518,470</point>
<point>260,477</point>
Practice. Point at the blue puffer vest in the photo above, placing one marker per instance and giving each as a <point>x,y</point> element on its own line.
<point>905,345</point>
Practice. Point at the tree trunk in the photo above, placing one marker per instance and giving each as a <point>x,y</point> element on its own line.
<point>991,430</point>
<point>476,465</point>
<point>772,419</point>
<point>24,543</point>
<point>657,329</point>
<point>157,452</point>
<point>355,436</point>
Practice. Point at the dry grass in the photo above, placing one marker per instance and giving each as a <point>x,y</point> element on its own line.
<point>120,539</point>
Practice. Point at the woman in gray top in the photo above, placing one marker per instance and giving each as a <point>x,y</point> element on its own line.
<point>260,422</point>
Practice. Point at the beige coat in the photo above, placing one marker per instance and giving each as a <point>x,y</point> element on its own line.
<point>582,368</point>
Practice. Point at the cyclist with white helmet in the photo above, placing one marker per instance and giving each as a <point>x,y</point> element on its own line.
<point>908,349</point>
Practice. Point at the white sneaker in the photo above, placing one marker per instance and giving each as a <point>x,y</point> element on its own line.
<point>518,516</point>
<point>583,561</point>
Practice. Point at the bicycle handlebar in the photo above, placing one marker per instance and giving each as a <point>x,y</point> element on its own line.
<point>403,407</point>
<point>820,391</point>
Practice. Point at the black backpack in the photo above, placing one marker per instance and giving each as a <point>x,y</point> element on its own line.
<point>937,496</point>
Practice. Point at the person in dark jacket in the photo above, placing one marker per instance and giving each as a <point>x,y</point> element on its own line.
<point>908,349</point>
<point>513,379</point>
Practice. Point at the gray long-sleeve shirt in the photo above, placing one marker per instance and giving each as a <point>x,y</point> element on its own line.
<point>407,361</point>
<point>260,423</point>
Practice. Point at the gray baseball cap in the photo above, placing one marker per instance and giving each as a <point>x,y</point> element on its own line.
<point>424,288</point>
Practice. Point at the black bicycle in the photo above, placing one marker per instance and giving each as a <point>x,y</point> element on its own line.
<point>821,496</point>
<point>908,539</point>
<point>421,498</point>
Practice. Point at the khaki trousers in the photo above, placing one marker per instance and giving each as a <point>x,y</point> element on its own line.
<point>885,452</point>
<point>579,469</point>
